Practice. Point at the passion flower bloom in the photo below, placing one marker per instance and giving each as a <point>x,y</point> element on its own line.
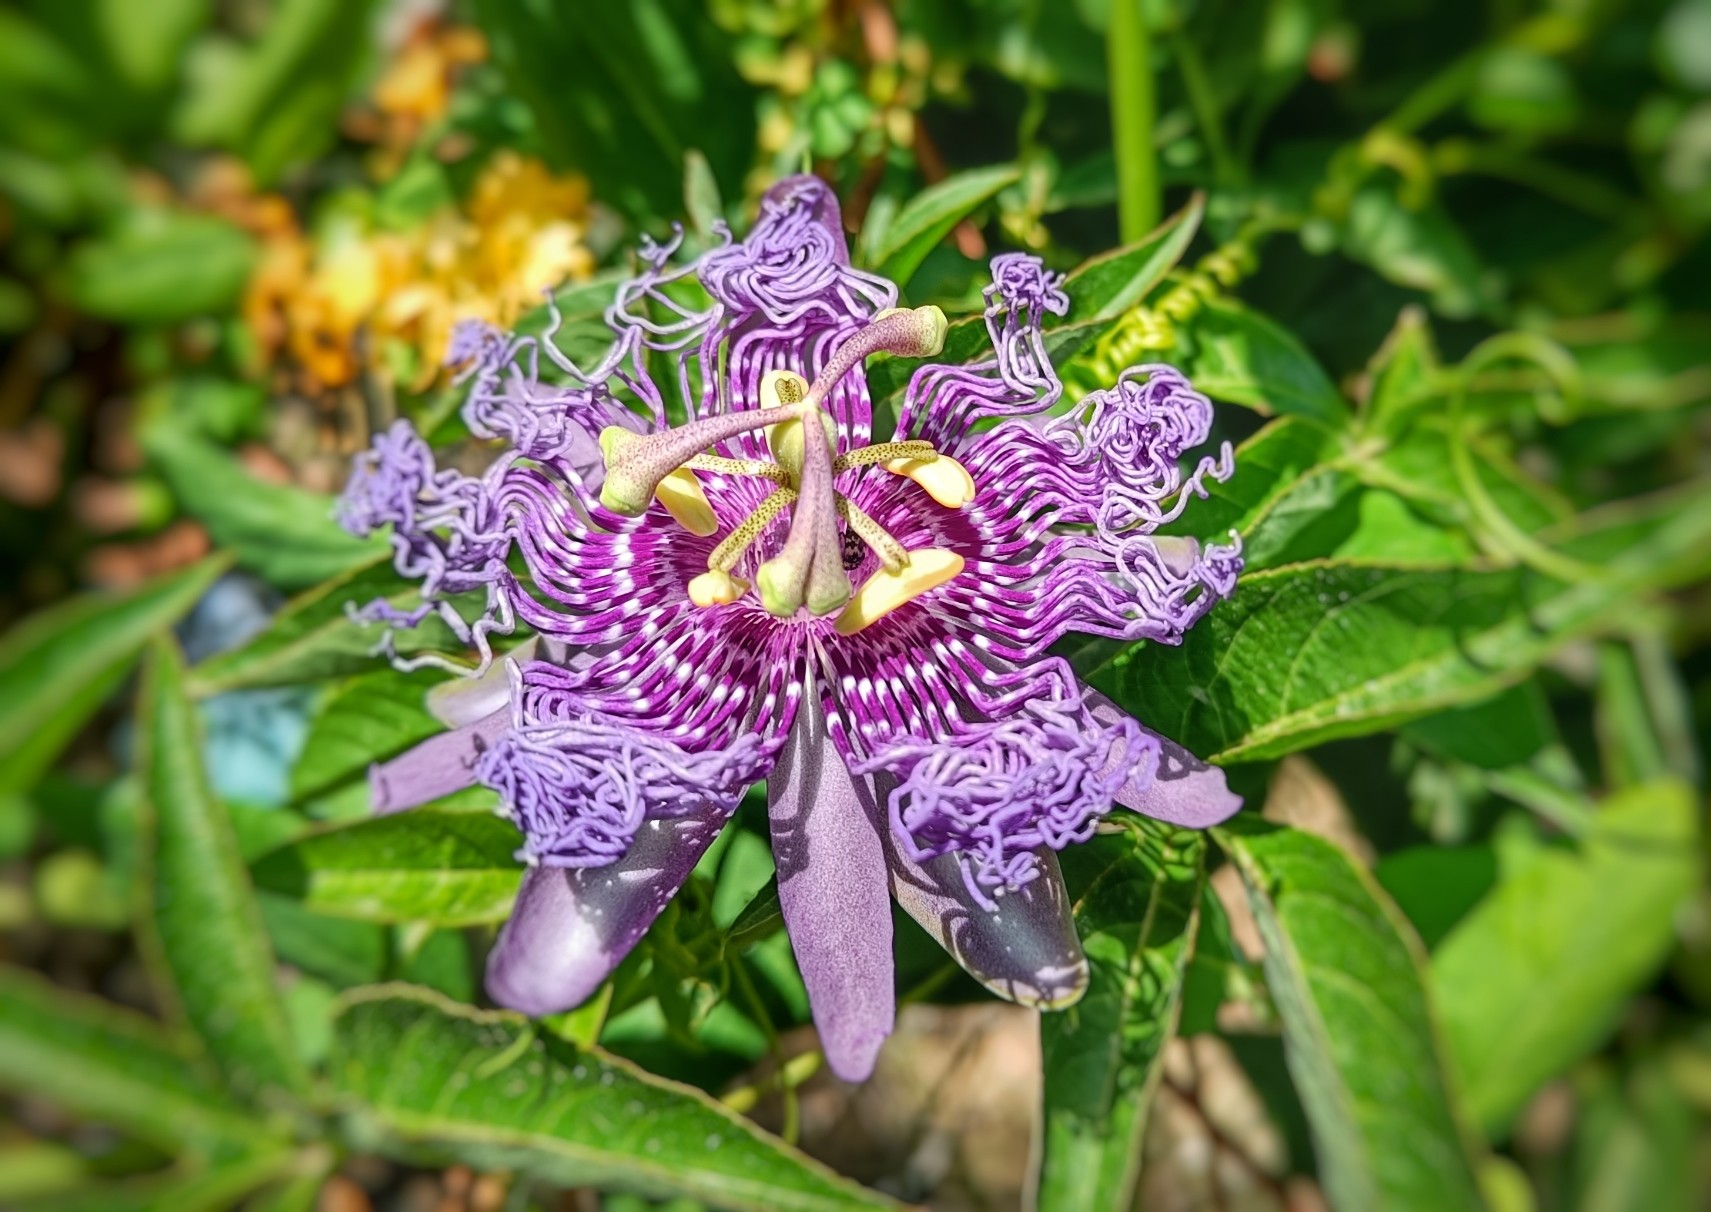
<point>729,581</point>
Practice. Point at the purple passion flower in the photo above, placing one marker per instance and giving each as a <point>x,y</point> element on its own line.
<point>762,591</point>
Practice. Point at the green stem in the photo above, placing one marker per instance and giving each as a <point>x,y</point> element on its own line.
<point>1133,112</point>
<point>1225,170</point>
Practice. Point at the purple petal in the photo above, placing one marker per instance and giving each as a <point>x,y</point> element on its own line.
<point>1026,951</point>
<point>438,766</point>
<point>821,203</point>
<point>459,701</point>
<point>1186,791</point>
<point>572,927</point>
<point>832,888</point>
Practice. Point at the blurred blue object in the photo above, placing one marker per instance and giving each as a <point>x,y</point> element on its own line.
<point>254,736</point>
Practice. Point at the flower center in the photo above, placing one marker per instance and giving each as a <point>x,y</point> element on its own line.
<point>811,570</point>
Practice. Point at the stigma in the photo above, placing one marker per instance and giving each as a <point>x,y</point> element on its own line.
<point>828,532</point>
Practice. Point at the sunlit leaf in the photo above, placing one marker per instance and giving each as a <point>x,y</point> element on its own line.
<point>1234,353</point>
<point>59,666</point>
<point>1347,980</point>
<point>424,1078</point>
<point>1538,973</point>
<point>313,636</point>
<point>449,868</point>
<point>1136,896</point>
<point>1311,652</point>
<point>360,721</point>
<point>204,933</point>
<point>1100,290</point>
<point>929,216</point>
<point>92,1058</point>
<point>283,533</point>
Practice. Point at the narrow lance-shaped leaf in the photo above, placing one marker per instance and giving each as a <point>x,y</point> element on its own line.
<point>449,868</point>
<point>1345,973</point>
<point>214,1188</point>
<point>314,636</point>
<point>1136,904</point>
<point>284,534</point>
<point>203,933</point>
<point>1538,973</point>
<point>93,1059</point>
<point>59,666</point>
<point>426,1079</point>
<point>930,215</point>
<point>362,721</point>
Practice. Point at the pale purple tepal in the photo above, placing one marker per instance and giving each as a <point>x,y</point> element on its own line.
<point>864,626</point>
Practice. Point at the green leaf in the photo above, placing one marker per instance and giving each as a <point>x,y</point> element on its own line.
<point>1417,247</point>
<point>313,638</point>
<point>184,1188</point>
<point>1137,898</point>
<point>1284,487</point>
<point>147,45</point>
<point>1404,373</point>
<point>361,721</point>
<point>166,270</point>
<point>1637,1138</point>
<point>424,1078</point>
<point>1107,286</point>
<point>1437,886</point>
<point>204,935</point>
<point>1100,291</point>
<point>1508,729</point>
<point>1346,977</point>
<point>279,104</point>
<point>653,79</point>
<point>95,1060</point>
<point>1538,974</point>
<point>282,533</point>
<point>1422,466</point>
<point>1235,354</point>
<point>760,919</point>
<point>448,868</point>
<point>341,952</point>
<point>59,666</point>
<point>30,1169</point>
<point>1312,652</point>
<point>929,216</point>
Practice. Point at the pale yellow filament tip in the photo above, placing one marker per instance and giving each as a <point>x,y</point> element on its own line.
<point>680,493</point>
<point>716,588</point>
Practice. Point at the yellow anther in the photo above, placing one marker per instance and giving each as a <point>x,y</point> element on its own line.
<point>883,592</point>
<point>716,588</point>
<point>945,480</point>
<point>680,493</point>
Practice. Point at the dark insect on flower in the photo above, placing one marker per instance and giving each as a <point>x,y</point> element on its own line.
<point>855,550</point>
<point>697,627</point>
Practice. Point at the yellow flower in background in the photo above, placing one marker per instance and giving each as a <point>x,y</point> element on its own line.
<point>350,296</point>
<point>354,298</point>
<point>414,91</point>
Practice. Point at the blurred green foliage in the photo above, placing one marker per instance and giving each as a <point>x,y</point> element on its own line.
<point>1443,267</point>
